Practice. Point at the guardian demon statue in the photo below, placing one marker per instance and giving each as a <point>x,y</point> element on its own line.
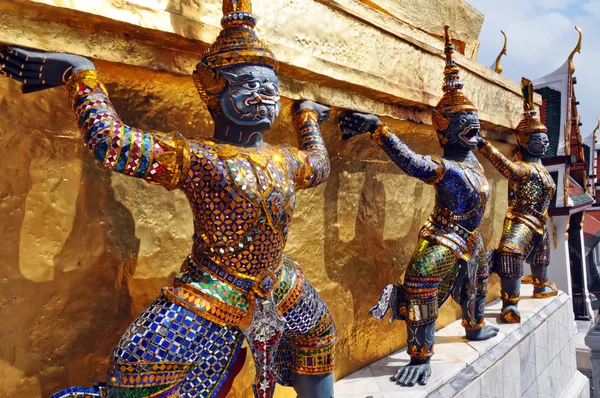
<point>531,188</point>
<point>450,257</point>
<point>236,284</point>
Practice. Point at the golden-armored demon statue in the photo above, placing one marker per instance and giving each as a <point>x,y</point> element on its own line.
<point>531,188</point>
<point>236,284</point>
<point>450,258</point>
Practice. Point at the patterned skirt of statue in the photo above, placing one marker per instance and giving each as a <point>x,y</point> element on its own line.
<point>520,243</point>
<point>437,270</point>
<point>187,343</point>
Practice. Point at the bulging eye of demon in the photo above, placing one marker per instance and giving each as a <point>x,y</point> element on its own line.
<point>252,85</point>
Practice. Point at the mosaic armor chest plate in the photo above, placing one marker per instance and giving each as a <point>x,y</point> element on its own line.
<point>529,198</point>
<point>461,198</point>
<point>242,201</point>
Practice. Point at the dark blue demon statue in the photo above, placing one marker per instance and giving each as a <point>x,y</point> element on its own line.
<point>236,285</point>
<point>450,257</point>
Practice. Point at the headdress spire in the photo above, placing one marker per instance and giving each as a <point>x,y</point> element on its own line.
<point>453,100</point>
<point>232,6</point>
<point>531,122</point>
<point>237,43</point>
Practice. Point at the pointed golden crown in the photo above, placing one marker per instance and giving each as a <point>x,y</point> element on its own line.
<point>453,100</point>
<point>237,44</point>
<point>531,122</point>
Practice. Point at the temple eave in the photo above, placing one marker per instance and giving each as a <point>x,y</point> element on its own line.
<point>155,38</point>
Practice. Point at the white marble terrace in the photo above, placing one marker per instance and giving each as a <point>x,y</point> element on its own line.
<point>533,359</point>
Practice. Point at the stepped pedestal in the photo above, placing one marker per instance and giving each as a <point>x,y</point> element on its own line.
<point>533,359</point>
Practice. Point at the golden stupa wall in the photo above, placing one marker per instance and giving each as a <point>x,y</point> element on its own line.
<point>83,251</point>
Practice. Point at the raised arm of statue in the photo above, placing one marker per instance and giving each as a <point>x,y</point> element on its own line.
<point>511,170</point>
<point>159,158</point>
<point>312,159</point>
<point>429,169</point>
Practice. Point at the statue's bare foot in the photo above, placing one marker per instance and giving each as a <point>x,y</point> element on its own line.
<point>413,373</point>
<point>485,333</point>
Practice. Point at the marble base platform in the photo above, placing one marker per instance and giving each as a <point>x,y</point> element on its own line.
<point>533,359</point>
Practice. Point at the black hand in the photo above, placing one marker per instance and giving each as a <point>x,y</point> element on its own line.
<point>322,110</point>
<point>480,142</point>
<point>39,70</point>
<point>354,123</point>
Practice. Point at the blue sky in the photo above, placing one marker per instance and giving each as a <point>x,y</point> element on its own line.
<point>541,35</point>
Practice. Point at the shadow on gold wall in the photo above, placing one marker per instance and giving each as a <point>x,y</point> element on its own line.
<point>68,251</point>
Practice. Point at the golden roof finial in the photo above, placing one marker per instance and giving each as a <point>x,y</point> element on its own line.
<point>498,67</point>
<point>596,129</point>
<point>576,50</point>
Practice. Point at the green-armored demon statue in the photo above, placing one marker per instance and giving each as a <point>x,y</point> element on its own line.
<point>531,188</point>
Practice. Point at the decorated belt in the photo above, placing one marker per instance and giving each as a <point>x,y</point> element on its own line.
<point>449,225</point>
<point>451,235</point>
<point>522,209</point>
<point>262,286</point>
<point>447,214</point>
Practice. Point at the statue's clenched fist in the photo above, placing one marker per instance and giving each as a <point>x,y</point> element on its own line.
<point>39,70</point>
<point>353,123</point>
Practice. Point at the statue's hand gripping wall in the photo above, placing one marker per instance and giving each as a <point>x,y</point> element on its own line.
<point>321,110</point>
<point>354,123</point>
<point>430,169</point>
<point>39,70</point>
<point>159,158</point>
